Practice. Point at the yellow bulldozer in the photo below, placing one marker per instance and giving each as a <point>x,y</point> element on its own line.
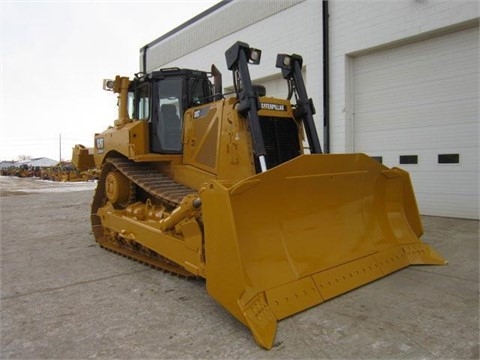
<point>236,190</point>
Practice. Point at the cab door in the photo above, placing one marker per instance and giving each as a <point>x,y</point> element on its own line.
<point>166,124</point>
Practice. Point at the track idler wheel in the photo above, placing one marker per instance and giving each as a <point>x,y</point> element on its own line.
<point>118,189</point>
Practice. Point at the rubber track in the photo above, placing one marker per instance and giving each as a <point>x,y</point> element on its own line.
<point>152,181</point>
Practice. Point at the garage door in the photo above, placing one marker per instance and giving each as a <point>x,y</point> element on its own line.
<point>416,106</point>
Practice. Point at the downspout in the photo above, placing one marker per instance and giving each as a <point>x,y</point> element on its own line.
<point>144,59</point>
<point>326,79</point>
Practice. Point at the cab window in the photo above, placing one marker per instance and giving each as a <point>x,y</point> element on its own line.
<point>167,124</point>
<point>142,102</point>
<point>139,102</point>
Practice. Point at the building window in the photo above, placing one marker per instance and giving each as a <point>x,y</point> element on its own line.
<point>408,159</point>
<point>378,158</point>
<point>449,158</point>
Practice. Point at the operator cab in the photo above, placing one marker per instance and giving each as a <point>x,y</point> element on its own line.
<point>161,98</point>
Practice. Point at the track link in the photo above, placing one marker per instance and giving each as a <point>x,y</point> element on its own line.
<point>155,183</point>
<point>155,262</point>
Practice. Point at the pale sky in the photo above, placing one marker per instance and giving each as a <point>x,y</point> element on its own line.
<point>54,56</point>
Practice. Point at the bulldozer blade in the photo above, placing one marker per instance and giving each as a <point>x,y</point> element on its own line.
<point>306,231</point>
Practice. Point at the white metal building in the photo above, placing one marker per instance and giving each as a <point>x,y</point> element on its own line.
<point>37,162</point>
<point>403,79</point>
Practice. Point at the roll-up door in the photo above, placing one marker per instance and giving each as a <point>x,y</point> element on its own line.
<point>416,106</point>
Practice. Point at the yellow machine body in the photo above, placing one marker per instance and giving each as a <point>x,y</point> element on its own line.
<point>82,158</point>
<point>269,244</point>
